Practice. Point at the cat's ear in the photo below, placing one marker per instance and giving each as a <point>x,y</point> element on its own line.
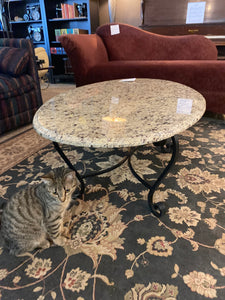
<point>70,177</point>
<point>48,178</point>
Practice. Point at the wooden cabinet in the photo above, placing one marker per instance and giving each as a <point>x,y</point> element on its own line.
<point>42,20</point>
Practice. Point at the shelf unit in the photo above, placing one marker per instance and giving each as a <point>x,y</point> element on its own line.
<point>48,22</point>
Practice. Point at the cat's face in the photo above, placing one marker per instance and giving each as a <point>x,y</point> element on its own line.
<point>61,183</point>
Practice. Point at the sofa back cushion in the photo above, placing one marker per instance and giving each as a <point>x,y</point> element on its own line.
<point>132,43</point>
<point>13,61</point>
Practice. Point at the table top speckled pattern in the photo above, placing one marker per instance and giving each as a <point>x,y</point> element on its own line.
<point>117,113</point>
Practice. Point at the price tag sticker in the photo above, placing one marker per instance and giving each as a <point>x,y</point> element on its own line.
<point>115,29</point>
<point>115,100</point>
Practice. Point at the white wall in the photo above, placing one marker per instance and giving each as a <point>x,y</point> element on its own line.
<point>127,11</point>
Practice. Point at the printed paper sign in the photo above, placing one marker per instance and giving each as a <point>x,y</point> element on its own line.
<point>115,29</point>
<point>195,12</point>
<point>184,106</point>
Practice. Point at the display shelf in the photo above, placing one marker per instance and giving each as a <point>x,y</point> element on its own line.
<point>48,22</point>
<point>25,22</point>
<point>37,43</point>
<point>66,20</point>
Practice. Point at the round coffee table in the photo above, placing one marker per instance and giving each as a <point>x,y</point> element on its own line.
<point>121,113</point>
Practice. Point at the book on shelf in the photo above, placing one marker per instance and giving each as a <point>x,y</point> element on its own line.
<point>63,31</point>
<point>79,31</point>
<point>76,13</point>
<point>57,34</point>
<point>71,11</point>
<point>63,10</point>
<point>69,30</point>
<point>66,7</point>
<point>57,50</point>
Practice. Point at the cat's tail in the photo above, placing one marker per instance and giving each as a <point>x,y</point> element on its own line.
<point>2,206</point>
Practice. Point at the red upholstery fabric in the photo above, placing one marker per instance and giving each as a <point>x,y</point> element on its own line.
<point>207,77</point>
<point>190,60</point>
<point>84,52</point>
<point>136,44</point>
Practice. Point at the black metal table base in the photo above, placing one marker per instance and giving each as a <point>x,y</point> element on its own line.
<point>158,209</point>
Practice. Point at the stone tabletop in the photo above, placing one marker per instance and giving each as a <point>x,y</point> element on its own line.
<point>119,113</point>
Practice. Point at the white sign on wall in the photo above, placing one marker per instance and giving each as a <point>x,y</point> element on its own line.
<point>195,12</point>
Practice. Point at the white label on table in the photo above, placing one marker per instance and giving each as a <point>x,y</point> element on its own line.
<point>115,100</point>
<point>115,29</point>
<point>128,80</point>
<point>184,106</point>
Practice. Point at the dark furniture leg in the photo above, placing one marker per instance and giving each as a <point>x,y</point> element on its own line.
<point>70,165</point>
<point>158,209</point>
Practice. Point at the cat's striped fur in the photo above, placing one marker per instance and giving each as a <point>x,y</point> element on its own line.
<point>34,216</point>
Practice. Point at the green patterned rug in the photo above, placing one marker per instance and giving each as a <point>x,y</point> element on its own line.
<point>118,249</point>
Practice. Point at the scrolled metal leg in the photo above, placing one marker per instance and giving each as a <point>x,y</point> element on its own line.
<point>110,168</point>
<point>70,165</point>
<point>81,177</point>
<point>158,209</point>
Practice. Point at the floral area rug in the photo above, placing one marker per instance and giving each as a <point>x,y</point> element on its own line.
<point>19,147</point>
<point>118,249</point>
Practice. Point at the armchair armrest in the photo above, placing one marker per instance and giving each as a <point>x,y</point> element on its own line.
<point>27,44</point>
<point>32,66</point>
<point>84,52</point>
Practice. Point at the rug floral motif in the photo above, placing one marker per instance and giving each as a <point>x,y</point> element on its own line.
<point>116,248</point>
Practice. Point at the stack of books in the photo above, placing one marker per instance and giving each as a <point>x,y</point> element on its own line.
<point>59,32</point>
<point>69,11</point>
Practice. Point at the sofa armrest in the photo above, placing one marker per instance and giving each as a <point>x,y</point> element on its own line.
<point>84,52</point>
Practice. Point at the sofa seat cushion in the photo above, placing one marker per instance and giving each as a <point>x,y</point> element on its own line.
<point>15,86</point>
<point>207,77</point>
<point>205,74</point>
<point>13,61</point>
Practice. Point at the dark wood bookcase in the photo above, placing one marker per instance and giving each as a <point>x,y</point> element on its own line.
<point>42,26</point>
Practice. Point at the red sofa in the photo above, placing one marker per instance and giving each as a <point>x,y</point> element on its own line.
<point>133,52</point>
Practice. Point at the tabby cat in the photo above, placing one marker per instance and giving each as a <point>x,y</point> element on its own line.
<point>34,216</point>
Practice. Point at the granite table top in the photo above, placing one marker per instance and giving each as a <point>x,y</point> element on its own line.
<point>119,113</point>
